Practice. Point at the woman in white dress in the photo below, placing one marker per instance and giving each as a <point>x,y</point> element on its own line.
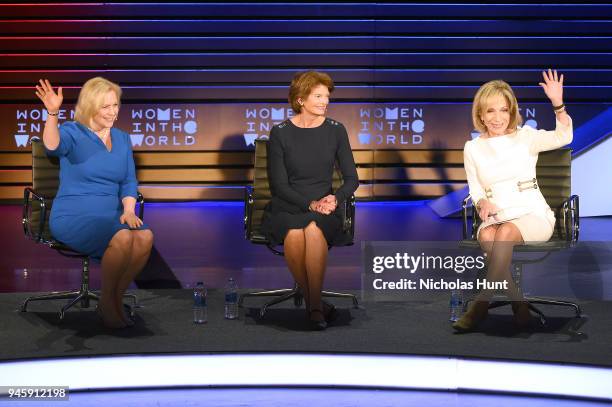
<point>501,172</point>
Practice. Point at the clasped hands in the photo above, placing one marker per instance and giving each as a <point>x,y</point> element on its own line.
<point>133,221</point>
<point>325,205</point>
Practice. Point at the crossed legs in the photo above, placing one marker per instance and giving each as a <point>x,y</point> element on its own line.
<point>498,241</point>
<point>123,259</point>
<point>306,256</point>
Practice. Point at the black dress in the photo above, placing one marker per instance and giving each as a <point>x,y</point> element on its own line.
<point>300,167</point>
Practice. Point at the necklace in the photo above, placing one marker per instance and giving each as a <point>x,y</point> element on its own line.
<point>102,134</point>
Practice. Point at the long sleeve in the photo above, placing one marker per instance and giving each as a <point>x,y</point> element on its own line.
<point>344,156</point>
<point>279,179</point>
<point>543,140</point>
<point>476,190</point>
<point>129,186</point>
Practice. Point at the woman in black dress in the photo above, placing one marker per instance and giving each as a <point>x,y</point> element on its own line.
<point>303,213</point>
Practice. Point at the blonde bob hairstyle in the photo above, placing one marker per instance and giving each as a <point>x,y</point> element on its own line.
<point>302,85</point>
<point>487,91</point>
<point>91,98</point>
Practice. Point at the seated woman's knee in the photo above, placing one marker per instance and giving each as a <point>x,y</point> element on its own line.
<point>508,232</point>
<point>294,234</point>
<point>312,227</point>
<point>487,234</point>
<point>314,234</point>
<point>123,239</point>
<point>486,237</point>
<point>144,238</point>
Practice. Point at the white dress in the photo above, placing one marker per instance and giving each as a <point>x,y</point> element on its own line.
<point>502,169</point>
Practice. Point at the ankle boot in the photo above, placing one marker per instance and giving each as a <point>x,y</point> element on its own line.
<point>476,313</point>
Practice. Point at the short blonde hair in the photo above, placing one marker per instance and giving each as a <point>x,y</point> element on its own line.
<point>491,89</point>
<point>91,98</point>
<point>302,85</point>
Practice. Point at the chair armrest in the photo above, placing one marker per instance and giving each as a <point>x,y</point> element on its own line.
<point>141,202</point>
<point>464,207</point>
<point>26,219</point>
<point>570,209</point>
<point>348,216</point>
<point>248,210</point>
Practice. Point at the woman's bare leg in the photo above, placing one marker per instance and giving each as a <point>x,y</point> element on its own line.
<point>486,237</point>
<point>142,242</point>
<point>316,263</point>
<point>506,237</point>
<point>114,262</point>
<point>295,248</point>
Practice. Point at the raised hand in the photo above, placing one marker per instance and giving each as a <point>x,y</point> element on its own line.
<point>553,87</point>
<point>53,101</point>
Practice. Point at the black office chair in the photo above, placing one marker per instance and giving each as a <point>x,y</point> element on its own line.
<point>255,201</point>
<point>37,203</point>
<point>554,170</point>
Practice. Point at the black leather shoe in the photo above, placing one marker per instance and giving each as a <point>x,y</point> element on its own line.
<point>331,313</point>
<point>317,325</point>
<point>129,317</point>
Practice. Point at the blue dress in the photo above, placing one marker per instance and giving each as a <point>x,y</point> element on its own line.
<point>93,181</point>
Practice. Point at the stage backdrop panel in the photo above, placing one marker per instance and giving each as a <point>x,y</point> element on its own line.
<point>235,126</point>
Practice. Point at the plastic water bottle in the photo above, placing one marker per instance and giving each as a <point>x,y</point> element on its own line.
<point>456,305</point>
<point>231,299</point>
<point>200,309</point>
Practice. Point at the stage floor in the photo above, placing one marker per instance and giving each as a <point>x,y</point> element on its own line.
<point>164,325</point>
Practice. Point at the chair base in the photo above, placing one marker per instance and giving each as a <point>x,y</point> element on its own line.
<point>83,296</point>
<point>289,293</point>
<point>540,301</point>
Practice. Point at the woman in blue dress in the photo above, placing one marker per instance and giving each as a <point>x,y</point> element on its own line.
<point>94,210</point>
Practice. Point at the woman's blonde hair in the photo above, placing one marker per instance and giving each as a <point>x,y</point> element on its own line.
<point>302,85</point>
<point>489,90</point>
<point>91,98</point>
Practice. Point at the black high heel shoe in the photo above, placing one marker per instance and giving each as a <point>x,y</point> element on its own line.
<point>100,315</point>
<point>129,315</point>
<point>317,325</point>
<point>330,312</point>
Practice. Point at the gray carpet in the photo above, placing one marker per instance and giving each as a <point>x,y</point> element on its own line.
<point>164,326</point>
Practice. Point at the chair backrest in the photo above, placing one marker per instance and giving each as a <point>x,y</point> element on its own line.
<point>45,182</point>
<point>554,173</point>
<point>261,189</point>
